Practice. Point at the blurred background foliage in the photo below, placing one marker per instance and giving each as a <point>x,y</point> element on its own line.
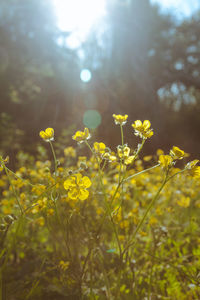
<point>143,63</point>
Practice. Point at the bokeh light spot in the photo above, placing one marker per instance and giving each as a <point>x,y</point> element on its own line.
<point>92,119</point>
<point>85,75</point>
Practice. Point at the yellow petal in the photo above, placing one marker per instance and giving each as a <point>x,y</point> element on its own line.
<point>86,182</point>
<point>146,124</point>
<point>83,194</point>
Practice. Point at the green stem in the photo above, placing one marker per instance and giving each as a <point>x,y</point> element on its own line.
<point>143,171</point>
<point>20,178</point>
<point>13,188</point>
<point>108,205</point>
<point>122,134</point>
<point>54,156</point>
<point>145,215</point>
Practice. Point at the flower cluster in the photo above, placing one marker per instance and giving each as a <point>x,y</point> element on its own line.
<point>167,161</point>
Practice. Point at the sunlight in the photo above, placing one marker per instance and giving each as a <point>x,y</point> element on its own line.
<point>78,17</point>
<point>182,8</point>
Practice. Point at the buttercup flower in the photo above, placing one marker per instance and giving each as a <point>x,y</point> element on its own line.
<point>110,157</point>
<point>143,130</point>
<point>99,148</point>
<point>81,136</point>
<point>70,152</point>
<point>3,161</point>
<point>184,202</point>
<point>192,164</point>
<point>177,153</point>
<point>47,135</point>
<point>77,187</point>
<point>165,161</point>
<point>120,120</point>
<point>123,153</point>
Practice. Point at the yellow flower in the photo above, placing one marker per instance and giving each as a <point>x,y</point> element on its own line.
<point>184,202</point>
<point>177,153</point>
<point>165,161</point>
<point>153,221</point>
<point>47,135</point>
<point>3,162</point>
<point>99,148</point>
<point>81,136</point>
<point>196,172</point>
<point>123,153</point>
<point>64,265</point>
<point>77,187</point>
<point>119,119</point>
<point>143,130</point>
<point>110,157</point>
<point>192,164</point>
<point>70,152</point>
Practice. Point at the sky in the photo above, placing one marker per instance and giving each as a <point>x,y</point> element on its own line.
<point>179,8</point>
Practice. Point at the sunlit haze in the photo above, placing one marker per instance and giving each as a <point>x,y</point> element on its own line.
<point>78,17</point>
<point>180,8</point>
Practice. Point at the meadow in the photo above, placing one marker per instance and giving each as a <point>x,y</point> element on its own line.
<point>112,224</point>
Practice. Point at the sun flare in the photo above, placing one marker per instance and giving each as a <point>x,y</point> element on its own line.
<point>78,17</point>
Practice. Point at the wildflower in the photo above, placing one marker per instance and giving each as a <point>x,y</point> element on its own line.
<point>77,187</point>
<point>81,136</point>
<point>64,265</point>
<point>192,164</point>
<point>143,129</point>
<point>165,161</point>
<point>196,172</point>
<point>123,153</point>
<point>120,120</point>
<point>3,162</point>
<point>70,152</point>
<point>184,202</point>
<point>177,153</point>
<point>147,158</point>
<point>99,148</point>
<point>110,157</point>
<point>47,135</point>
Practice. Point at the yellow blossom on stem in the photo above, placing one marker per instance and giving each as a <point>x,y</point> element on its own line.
<point>123,153</point>
<point>99,148</point>
<point>143,130</point>
<point>47,135</point>
<point>3,162</point>
<point>177,153</point>
<point>120,120</point>
<point>110,157</point>
<point>165,161</point>
<point>81,136</point>
<point>77,187</point>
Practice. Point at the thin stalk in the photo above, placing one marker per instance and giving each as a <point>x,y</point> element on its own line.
<point>141,172</point>
<point>145,215</point>
<point>54,156</point>
<point>13,189</point>
<point>108,206</point>
<point>122,134</point>
<point>17,176</point>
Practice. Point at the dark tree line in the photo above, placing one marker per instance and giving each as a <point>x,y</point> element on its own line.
<point>145,65</point>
